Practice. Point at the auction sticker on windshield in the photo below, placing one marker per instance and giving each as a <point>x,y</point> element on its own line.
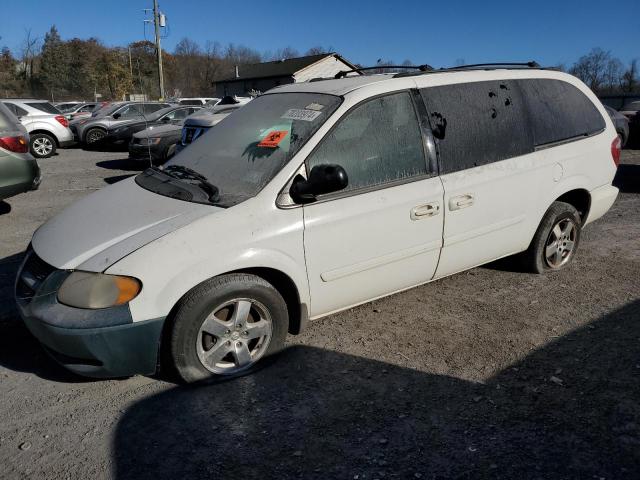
<point>301,114</point>
<point>272,139</point>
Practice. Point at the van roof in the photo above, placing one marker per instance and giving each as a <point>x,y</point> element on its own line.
<point>345,85</point>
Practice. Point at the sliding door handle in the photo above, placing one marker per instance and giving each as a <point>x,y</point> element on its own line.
<point>461,201</point>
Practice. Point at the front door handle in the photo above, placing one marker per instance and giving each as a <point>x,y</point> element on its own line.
<point>461,201</point>
<point>426,210</point>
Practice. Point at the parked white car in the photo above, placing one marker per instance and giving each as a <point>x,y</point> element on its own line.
<point>48,128</point>
<point>312,199</point>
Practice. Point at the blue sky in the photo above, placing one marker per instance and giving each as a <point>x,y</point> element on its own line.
<point>434,32</point>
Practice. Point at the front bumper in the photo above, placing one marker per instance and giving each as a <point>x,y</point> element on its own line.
<point>102,343</point>
<point>141,152</point>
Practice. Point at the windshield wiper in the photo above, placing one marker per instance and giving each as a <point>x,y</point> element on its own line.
<point>185,173</point>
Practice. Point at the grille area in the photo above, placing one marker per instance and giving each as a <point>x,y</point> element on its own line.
<point>34,272</point>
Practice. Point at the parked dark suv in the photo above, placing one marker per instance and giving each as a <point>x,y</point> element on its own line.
<point>93,129</point>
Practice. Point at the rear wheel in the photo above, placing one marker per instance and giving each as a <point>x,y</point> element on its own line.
<point>555,243</point>
<point>225,326</point>
<point>42,145</point>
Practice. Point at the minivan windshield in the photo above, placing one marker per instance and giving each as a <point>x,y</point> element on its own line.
<point>242,153</point>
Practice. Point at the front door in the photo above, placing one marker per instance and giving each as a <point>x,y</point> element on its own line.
<point>383,233</point>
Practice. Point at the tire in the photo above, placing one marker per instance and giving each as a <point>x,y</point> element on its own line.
<point>42,145</point>
<point>170,152</point>
<point>94,135</point>
<point>201,345</point>
<point>556,241</point>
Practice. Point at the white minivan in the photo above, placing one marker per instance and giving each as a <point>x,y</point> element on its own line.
<point>314,198</point>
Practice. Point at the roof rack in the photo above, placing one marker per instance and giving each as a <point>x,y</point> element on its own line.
<point>344,73</point>
<point>479,66</point>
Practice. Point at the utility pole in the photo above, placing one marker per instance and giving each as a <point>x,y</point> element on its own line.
<point>156,22</point>
<point>130,65</point>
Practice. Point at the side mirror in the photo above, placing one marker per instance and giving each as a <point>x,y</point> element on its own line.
<point>165,120</point>
<point>322,179</point>
<point>116,116</point>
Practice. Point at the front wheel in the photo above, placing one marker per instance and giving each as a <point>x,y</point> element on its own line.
<point>225,326</point>
<point>42,145</point>
<point>95,135</point>
<point>555,243</point>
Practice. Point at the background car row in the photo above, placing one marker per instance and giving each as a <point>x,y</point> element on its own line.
<point>125,123</point>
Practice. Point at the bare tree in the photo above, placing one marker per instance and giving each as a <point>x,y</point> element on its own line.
<point>598,69</point>
<point>629,81</point>
<point>28,52</point>
<point>319,50</point>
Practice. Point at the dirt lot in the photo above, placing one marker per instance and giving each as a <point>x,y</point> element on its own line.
<point>487,374</point>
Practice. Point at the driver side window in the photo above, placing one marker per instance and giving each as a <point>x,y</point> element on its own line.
<point>378,142</point>
<point>130,111</point>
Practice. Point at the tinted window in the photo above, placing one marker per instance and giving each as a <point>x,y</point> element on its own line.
<point>130,111</point>
<point>153,107</point>
<point>43,107</point>
<point>479,123</point>
<point>190,102</point>
<point>17,111</point>
<point>178,114</point>
<point>559,111</point>
<point>376,143</point>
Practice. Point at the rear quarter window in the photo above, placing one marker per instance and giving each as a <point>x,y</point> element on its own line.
<point>43,107</point>
<point>478,123</point>
<point>559,111</point>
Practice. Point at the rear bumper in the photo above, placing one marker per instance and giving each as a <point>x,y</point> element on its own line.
<point>67,143</point>
<point>103,343</point>
<point>602,199</point>
<point>18,176</point>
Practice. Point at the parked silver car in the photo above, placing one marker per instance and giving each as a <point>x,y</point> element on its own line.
<point>48,128</point>
<point>93,129</point>
<point>19,171</point>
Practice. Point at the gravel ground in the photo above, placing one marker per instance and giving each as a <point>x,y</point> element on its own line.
<point>490,373</point>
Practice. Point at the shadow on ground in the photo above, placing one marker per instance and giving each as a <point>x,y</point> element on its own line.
<point>19,350</point>
<point>627,178</point>
<point>569,410</point>
<point>122,164</point>
<point>4,207</point>
<point>117,178</point>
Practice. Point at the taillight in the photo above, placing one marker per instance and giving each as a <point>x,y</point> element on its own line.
<point>616,149</point>
<point>63,121</point>
<point>14,144</point>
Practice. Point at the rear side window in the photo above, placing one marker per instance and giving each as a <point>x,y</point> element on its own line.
<point>43,107</point>
<point>17,111</point>
<point>477,123</point>
<point>190,102</point>
<point>153,107</point>
<point>559,111</point>
<point>377,142</point>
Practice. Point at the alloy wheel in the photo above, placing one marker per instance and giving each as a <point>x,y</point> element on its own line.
<point>42,146</point>
<point>234,336</point>
<point>560,243</point>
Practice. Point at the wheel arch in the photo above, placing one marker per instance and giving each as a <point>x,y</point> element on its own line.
<point>92,127</point>
<point>45,132</point>
<point>580,198</point>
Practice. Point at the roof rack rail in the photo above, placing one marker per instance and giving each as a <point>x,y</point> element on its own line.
<point>530,64</point>
<point>344,73</point>
<point>477,66</point>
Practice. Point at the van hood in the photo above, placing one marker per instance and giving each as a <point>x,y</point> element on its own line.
<point>95,232</point>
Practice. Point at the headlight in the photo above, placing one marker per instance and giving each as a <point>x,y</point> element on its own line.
<point>97,290</point>
<point>150,141</point>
